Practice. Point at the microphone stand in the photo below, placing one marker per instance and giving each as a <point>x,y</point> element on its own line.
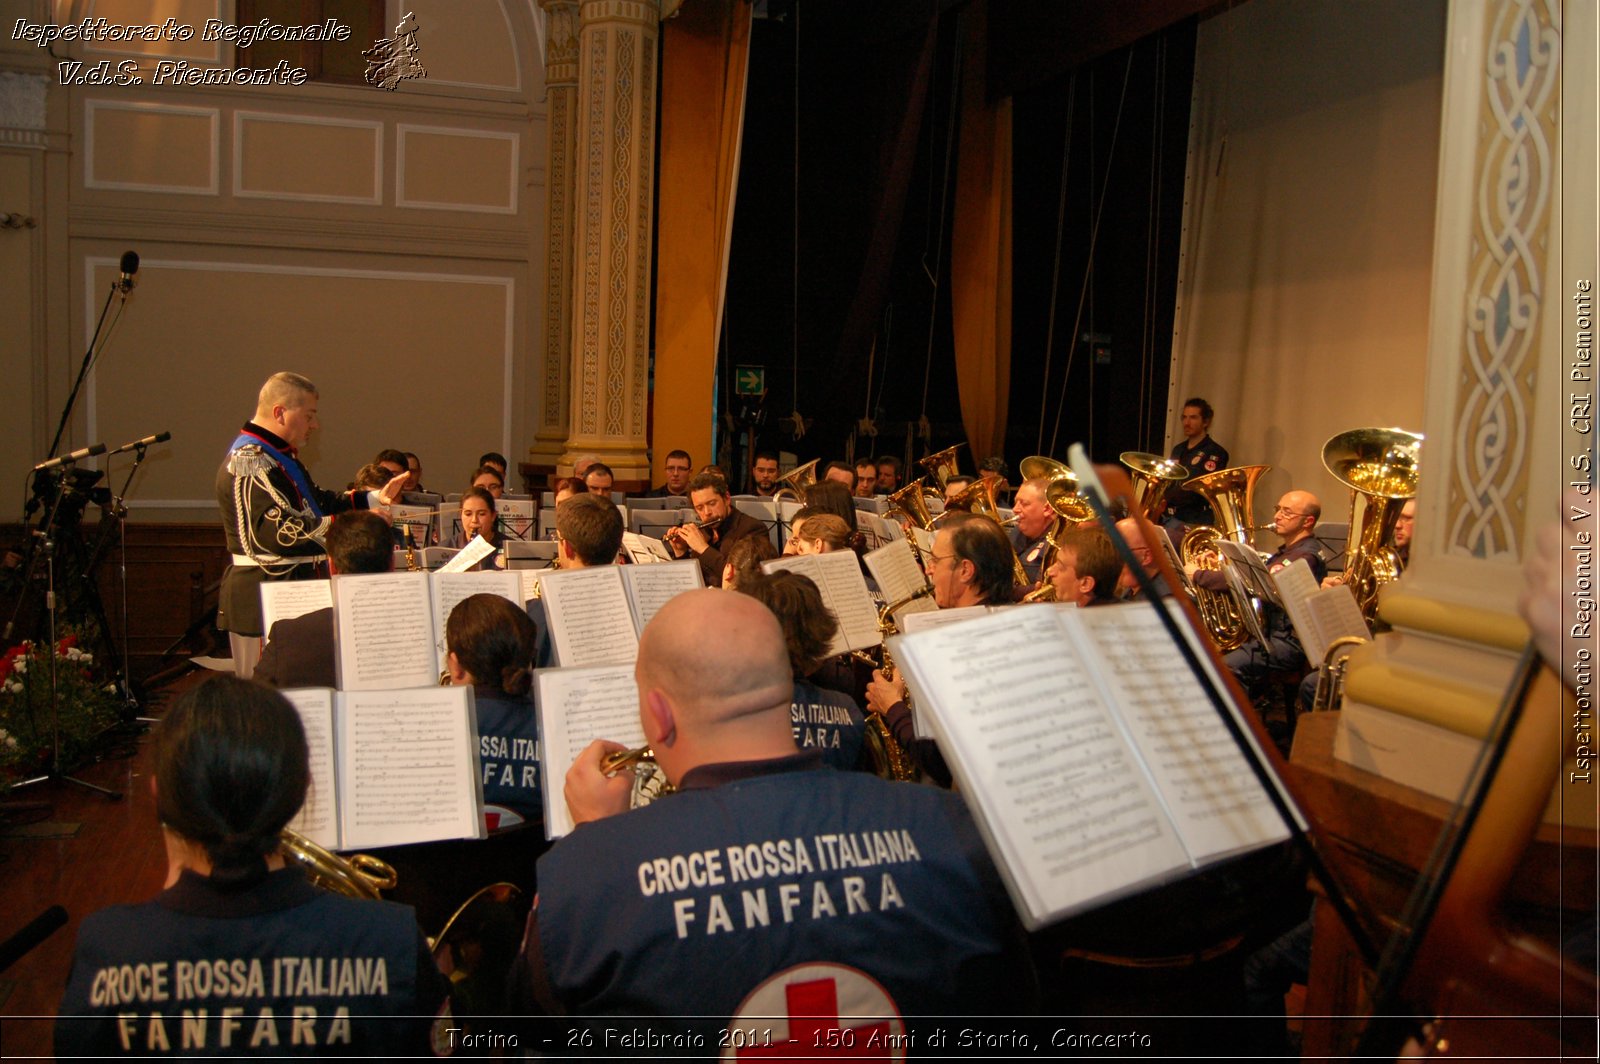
<point>77,385</point>
<point>120,510</point>
<point>48,548</point>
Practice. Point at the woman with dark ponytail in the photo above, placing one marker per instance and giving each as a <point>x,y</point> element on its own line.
<point>240,953</point>
<point>491,644</point>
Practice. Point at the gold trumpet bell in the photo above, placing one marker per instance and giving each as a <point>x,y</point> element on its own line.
<point>911,500</point>
<point>941,465</point>
<point>1152,476</point>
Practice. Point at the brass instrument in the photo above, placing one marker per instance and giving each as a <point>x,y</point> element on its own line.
<point>891,759</point>
<point>912,500</point>
<point>649,782</point>
<point>411,550</point>
<point>357,876</point>
<point>1380,467</point>
<point>796,481</point>
<point>1330,678</point>
<point>978,498</point>
<point>1231,493</point>
<point>1152,476</point>
<point>941,465</point>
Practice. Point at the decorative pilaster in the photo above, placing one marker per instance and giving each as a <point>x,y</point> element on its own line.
<point>612,219</point>
<point>1498,421</point>
<point>561,93</point>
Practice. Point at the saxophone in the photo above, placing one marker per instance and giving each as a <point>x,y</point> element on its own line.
<point>893,760</point>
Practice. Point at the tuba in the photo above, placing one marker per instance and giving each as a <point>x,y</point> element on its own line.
<point>1152,476</point>
<point>941,465</point>
<point>1230,492</point>
<point>1380,468</point>
<point>978,498</point>
<point>797,480</point>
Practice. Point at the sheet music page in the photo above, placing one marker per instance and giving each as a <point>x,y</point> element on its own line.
<point>844,592</point>
<point>451,588</point>
<point>644,550</point>
<point>468,556</point>
<point>650,588</point>
<point>383,631</point>
<point>418,518</point>
<point>1207,786</point>
<point>1296,584</point>
<point>529,579</point>
<point>408,763</point>
<point>318,819</point>
<point>895,569</point>
<point>590,621</point>
<point>924,539</point>
<point>282,600</point>
<point>1251,569</point>
<point>1335,614</point>
<point>925,620</point>
<point>515,516</point>
<point>576,707</point>
<point>1064,804</point>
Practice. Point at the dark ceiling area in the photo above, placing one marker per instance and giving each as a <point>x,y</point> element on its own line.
<point>839,266</point>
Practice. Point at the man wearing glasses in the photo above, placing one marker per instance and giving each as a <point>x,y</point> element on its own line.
<point>1295,519</point>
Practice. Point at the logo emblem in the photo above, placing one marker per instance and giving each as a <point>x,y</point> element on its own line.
<point>820,1010</point>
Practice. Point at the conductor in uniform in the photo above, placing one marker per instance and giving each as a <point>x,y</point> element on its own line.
<point>768,885</point>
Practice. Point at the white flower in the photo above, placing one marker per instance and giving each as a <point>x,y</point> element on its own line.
<point>20,665</point>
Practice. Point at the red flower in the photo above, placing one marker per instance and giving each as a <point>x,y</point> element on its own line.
<point>67,642</point>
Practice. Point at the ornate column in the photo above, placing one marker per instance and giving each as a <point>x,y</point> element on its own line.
<point>1505,387</point>
<point>561,92</point>
<point>612,220</point>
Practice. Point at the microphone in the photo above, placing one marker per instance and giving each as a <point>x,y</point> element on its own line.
<point>68,459</point>
<point>160,437</point>
<point>37,930</point>
<point>129,267</point>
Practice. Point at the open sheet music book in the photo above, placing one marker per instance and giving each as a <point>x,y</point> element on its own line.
<point>596,614</point>
<point>390,767</point>
<point>282,600</point>
<point>1099,767</point>
<point>899,577</point>
<point>388,629</point>
<point>1319,614</point>
<point>645,550</point>
<point>576,707</point>
<point>837,575</point>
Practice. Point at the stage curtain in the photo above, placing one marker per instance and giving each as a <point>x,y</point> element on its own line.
<point>980,249</point>
<point>1308,230</point>
<point>704,61</point>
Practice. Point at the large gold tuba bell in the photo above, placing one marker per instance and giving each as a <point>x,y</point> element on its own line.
<point>941,465</point>
<point>912,501</point>
<point>1152,476</point>
<point>1231,494</point>
<point>797,480</point>
<point>1380,467</point>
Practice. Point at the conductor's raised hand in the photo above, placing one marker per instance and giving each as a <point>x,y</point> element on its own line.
<point>590,793</point>
<point>394,489</point>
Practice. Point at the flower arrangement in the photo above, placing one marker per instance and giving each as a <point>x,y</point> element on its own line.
<point>89,706</point>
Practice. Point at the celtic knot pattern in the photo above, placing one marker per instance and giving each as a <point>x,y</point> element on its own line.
<point>1515,172</point>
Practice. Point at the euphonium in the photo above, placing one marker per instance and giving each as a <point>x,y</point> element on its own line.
<point>1380,467</point>
<point>1330,678</point>
<point>978,498</point>
<point>357,876</point>
<point>941,465</point>
<point>1152,476</point>
<point>1231,493</point>
<point>797,480</point>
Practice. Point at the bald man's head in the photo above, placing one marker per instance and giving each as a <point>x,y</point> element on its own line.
<point>718,657</point>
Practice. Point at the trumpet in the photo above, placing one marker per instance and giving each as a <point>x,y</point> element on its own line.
<point>649,782</point>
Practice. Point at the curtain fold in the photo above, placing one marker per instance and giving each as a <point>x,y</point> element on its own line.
<point>705,53</point>
<point>980,248</point>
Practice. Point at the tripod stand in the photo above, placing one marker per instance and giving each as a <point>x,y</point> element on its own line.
<point>45,548</point>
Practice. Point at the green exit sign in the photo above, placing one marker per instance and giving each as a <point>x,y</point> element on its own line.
<point>750,380</point>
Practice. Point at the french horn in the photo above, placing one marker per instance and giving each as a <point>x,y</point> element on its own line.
<point>358,876</point>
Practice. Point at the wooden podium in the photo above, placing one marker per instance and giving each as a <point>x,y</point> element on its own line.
<point>1385,832</point>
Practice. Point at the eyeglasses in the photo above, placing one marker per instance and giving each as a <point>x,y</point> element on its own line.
<point>1276,510</point>
<point>937,558</point>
